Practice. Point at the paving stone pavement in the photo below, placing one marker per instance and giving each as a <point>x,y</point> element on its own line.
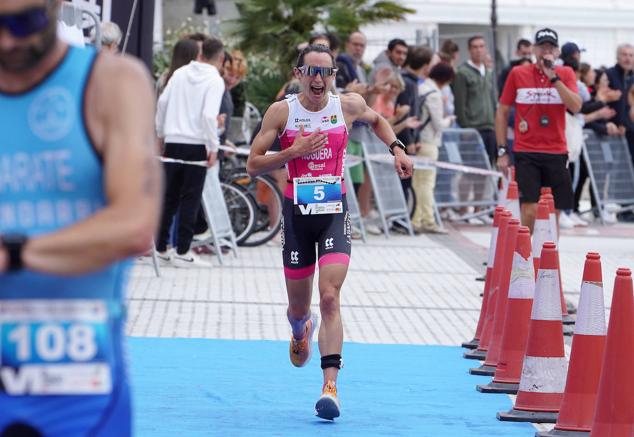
<point>404,290</point>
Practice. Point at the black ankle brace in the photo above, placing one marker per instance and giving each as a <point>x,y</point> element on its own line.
<point>331,361</point>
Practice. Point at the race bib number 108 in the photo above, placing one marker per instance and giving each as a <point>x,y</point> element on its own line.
<point>54,347</point>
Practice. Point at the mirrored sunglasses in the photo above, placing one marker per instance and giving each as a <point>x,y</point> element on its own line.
<point>311,70</point>
<point>26,23</point>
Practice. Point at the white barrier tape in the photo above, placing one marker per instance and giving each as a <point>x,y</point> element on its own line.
<point>426,163</point>
<point>544,374</point>
<point>351,160</point>
<point>547,301</point>
<point>590,318</point>
<point>180,161</point>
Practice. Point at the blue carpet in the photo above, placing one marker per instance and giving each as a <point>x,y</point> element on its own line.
<point>192,387</point>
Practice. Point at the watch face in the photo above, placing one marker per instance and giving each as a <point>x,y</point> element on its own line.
<point>501,151</point>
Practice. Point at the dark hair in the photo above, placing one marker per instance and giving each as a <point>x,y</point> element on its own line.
<point>572,63</point>
<point>212,47</point>
<point>523,43</point>
<point>228,58</point>
<point>315,36</point>
<point>396,42</point>
<point>334,41</point>
<point>474,38</point>
<point>600,72</point>
<point>419,56</point>
<point>449,47</point>
<point>198,36</point>
<point>185,51</point>
<point>317,48</point>
<point>442,73</point>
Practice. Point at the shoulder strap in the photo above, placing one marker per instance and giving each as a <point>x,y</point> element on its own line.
<point>422,104</point>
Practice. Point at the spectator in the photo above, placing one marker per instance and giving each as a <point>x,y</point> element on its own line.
<point>588,76</point>
<point>186,120</point>
<point>184,52</point>
<point>394,58</point>
<point>430,137</point>
<point>234,70</point>
<point>596,116</point>
<point>621,78</point>
<point>474,95</point>
<point>523,51</point>
<point>110,36</point>
<point>449,53</point>
<point>350,64</point>
<point>385,104</point>
<point>541,94</point>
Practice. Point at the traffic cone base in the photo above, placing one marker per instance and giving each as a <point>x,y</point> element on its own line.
<point>514,415</point>
<point>498,387</point>
<point>475,354</point>
<point>483,370</point>
<point>561,433</point>
<point>473,344</point>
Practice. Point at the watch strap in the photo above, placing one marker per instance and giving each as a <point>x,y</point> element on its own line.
<point>399,144</point>
<point>14,243</point>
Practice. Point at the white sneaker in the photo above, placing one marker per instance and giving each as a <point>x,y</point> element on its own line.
<point>609,217</point>
<point>373,229</point>
<point>475,221</point>
<point>578,221</point>
<point>204,236</point>
<point>373,215</point>
<point>565,222</point>
<point>486,219</point>
<point>165,258</point>
<point>189,260</point>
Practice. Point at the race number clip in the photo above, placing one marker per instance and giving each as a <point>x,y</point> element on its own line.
<point>317,195</point>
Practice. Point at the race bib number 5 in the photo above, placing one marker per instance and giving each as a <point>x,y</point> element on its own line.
<point>54,347</point>
<point>318,195</point>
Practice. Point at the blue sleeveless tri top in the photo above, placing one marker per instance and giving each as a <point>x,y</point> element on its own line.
<point>62,368</point>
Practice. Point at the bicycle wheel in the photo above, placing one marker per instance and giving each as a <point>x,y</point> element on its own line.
<point>241,210</point>
<point>268,201</point>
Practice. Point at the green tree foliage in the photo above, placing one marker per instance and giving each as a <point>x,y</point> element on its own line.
<point>270,30</point>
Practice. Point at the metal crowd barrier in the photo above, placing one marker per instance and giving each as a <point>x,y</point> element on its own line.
<point>455,189</point>
<point>610,170</point>
<point>217,216</point>
<point>351,196</point>
<point>386,185</point>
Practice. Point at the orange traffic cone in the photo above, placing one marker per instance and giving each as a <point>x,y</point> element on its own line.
<point>473,344</point>
<point>552,212</point>
<point>513,200</point>
<point>547,195</point>
<point>541,232</point>
<point>517,320</point>
<point>544,371</point>
<point>487,329</point>
<point>588,344</point>
<point>614,415</point>
<point>493,353</point>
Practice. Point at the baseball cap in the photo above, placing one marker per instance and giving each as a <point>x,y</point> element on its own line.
<point>546,35</point>
<point>569,49</point>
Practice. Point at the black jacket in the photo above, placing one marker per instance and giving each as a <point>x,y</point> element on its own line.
<point>409,96</point>
<point>619,80</point>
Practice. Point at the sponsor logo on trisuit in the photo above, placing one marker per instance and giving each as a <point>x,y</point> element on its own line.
<point>333,119</point>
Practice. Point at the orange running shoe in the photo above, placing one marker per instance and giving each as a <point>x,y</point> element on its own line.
<point>327,406</point>
<point>301,350</point>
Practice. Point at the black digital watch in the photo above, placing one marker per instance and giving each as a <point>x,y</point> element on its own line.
<point>14,243</point>
<point>399,144</point>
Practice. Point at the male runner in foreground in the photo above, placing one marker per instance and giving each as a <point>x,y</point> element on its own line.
<point>313,130</point>
<point>79,193</point>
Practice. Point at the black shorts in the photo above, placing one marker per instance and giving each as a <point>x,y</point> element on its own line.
<point>300,233</point>
<point>536,170</point>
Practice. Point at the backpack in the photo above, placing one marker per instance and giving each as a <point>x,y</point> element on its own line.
<point>421,104</point>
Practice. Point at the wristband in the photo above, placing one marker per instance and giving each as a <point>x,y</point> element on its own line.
<point>14,243</point>
<point>555,79</point>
